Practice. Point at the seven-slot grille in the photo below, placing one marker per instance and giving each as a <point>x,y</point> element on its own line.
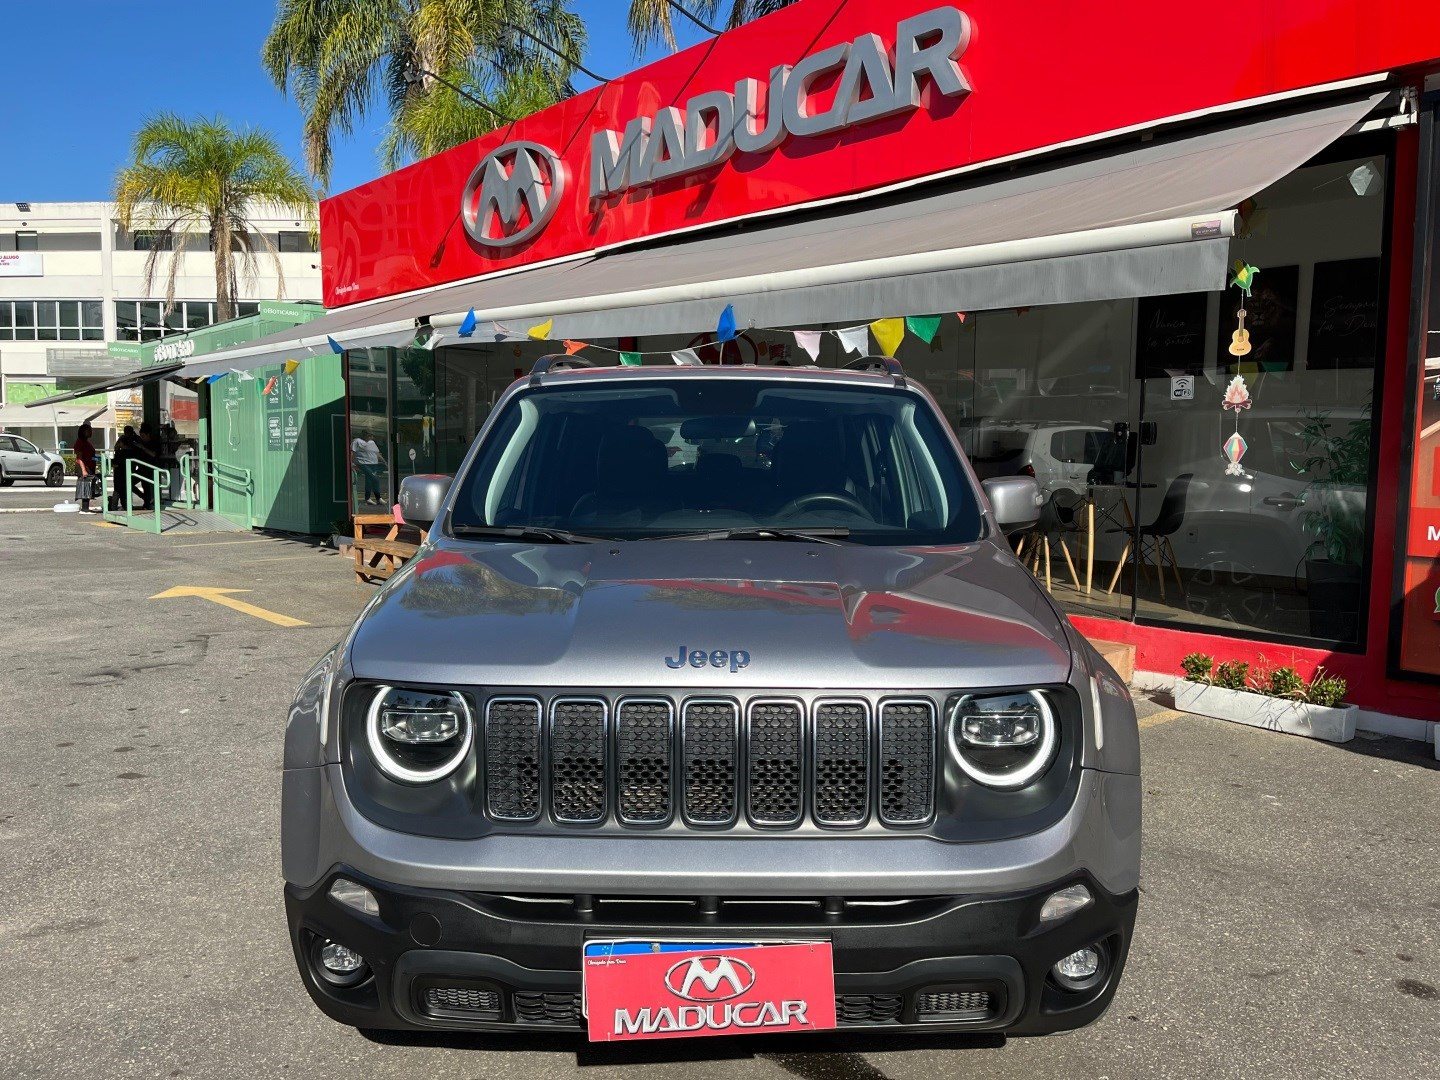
<point>644,762</point>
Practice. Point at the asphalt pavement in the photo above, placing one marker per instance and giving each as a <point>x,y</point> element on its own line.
<point>1289,923</point>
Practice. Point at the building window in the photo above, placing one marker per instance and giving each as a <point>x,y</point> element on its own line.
<point>51,320</point>
<point>245,308</point>
<point>27,240</point>
<point>152,240</point>
<point>147,320</point>
<point>295,241</point>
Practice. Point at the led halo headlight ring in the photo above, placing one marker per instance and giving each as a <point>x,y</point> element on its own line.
<point>397,770</point>
<point>1016,778</point>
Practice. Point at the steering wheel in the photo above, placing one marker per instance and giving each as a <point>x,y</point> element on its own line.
<point>823,498</point>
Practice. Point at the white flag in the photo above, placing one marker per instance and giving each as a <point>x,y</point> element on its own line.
<point>809,340</point>
<point>686,358</point>
<point>855,340</point>
<point>432,341</point>
<point>245,376</point>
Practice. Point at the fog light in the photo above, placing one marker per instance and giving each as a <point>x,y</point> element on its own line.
<point>339,960</point>
<point>363,900</point>
<point>1080,970</point>
<point>1059,905</point>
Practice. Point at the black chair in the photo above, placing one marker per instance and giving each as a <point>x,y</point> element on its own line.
<point>1154,539</point>
<point>1059,515</point>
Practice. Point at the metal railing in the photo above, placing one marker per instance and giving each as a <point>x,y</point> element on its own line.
<point>197,474</point>
<point>158,479</point>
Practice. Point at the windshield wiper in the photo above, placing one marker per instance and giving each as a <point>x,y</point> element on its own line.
<point>834,537</point>
<point>526,532</point>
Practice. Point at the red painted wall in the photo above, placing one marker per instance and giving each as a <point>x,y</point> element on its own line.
<point>1160,650</point>
<point>1042,73</point>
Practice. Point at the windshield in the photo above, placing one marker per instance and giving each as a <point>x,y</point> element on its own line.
<point>640,460</point>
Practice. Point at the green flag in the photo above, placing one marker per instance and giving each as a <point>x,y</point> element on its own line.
<point>630,359</point>
<point>924,327</point>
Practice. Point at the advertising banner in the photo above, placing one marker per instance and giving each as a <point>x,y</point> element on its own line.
<point>1418,649</point>
<point>21,264</point>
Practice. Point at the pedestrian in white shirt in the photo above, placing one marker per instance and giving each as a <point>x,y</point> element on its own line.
<point>365,453</point>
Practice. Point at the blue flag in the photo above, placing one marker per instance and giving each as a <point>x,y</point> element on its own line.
<point>467,324</point>
<point>213,379</point>
<point>726,330</point>
<point>335,346</point>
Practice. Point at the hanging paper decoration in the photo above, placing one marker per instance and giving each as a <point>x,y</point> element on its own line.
<point>888,334</point>
<point>854,339</point>
<point>467,324</point>
<point>291,366</point>
<point>335,346</point>
<point>1240,337</point>
<point>542,332</point>
<point>1237,396</point>
<point>630,359</point>
<point>572,347</point>
<point>686,358</point>
<point>725,331</point>
<point>925,327</point>
<point>1234,449</point>
<point>1244,277</point>
<point>269,385</point>
<point>809,341</point>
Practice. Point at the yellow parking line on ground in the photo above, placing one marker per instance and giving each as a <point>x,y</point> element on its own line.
<point>1162,717</point>
<point>106,525</point>
<point>221,597</point>
<point>223,543</point>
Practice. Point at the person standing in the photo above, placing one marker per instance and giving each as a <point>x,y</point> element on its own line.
<point>87,478</point>
<point>367,457</point>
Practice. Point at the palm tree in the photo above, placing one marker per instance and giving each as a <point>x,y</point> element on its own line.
<point>654,20</point>
<point>201,177</point>
<point>342,59</point>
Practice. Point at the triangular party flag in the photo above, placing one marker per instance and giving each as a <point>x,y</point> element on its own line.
<point>335,346</point>
<point>432,341</point>
<point>630,359</point>
<point>467,324</point>
<point>960,315</point>
<point>925,327</point>
<point>291,366</point>
<point>888,334</point>
<point>809,340</point>
<point>855,339</point>
<point>245,376</point>
<point>542,332</point>
<point>572,347</point>
<point>725,330</point>
<point>269,385</point>
<point>686,358</point>
<point>213,379</point>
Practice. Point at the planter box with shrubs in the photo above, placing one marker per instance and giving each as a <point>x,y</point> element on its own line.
<point>1274,698</point>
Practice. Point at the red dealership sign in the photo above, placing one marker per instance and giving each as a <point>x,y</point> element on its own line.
<point>745,990</point>
<point>825,100</point>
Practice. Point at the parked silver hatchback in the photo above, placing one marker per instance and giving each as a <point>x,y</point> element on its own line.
<point>715,702</point>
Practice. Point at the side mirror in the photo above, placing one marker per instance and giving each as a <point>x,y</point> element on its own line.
<point>421,498</point>
<point>1016,501</point>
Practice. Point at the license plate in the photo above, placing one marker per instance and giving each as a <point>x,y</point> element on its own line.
<point>673,989</point>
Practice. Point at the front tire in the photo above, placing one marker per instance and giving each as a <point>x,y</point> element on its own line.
<point>5,481</point>
<point>55,475</point>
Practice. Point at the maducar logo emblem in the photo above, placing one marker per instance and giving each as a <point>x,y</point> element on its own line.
<point>734,659</point>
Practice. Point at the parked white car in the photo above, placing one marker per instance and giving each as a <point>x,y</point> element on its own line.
<point>1058,454</point>
<point>20,459</point>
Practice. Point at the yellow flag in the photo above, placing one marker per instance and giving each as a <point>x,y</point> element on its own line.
<point>542,332</point>
<point>291,366</point>
<point>888,334</point>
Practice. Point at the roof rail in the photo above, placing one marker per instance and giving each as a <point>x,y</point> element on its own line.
<point>887,364</point>
<point>555,362</point>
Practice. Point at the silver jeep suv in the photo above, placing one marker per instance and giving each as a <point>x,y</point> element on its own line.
<point>696,663</point>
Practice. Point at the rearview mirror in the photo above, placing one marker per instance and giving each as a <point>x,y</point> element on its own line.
<point>1015,500</point>
<point>421,498</point>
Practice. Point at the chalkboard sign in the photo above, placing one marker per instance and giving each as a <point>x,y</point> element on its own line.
<point>1170,335</point>
<point>1344,314</point>
<point>1270,318</point>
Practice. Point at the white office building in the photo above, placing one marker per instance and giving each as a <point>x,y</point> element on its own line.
<point>72,283</point>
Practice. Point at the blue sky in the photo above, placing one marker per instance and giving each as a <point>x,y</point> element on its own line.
<point>82,74</point>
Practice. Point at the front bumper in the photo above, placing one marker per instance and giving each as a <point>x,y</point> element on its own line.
<point>450,960</point>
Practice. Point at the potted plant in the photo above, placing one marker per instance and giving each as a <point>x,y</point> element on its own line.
<point>1338,463</point>
<point>1278,698</point>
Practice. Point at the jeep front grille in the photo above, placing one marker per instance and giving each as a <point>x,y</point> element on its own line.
<point>766,762</point>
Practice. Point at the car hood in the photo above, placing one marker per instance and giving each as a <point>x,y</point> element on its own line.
<point>803,616</point>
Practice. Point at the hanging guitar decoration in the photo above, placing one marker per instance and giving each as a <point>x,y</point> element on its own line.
<point>1237,394</point>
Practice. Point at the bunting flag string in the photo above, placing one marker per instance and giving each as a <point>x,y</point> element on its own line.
<point>541,332</point>
<point>291,366</point>
<point>889,333</point>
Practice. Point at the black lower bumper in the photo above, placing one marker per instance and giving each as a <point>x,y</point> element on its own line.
<point>442,960</point>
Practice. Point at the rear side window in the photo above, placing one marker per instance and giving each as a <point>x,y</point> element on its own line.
<point>1077,445</point>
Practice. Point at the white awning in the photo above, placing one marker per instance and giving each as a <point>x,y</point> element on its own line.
<point>1152,217</point>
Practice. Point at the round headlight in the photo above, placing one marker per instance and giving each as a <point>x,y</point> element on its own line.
<point>1003,740</point>
<point>419,736</point>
